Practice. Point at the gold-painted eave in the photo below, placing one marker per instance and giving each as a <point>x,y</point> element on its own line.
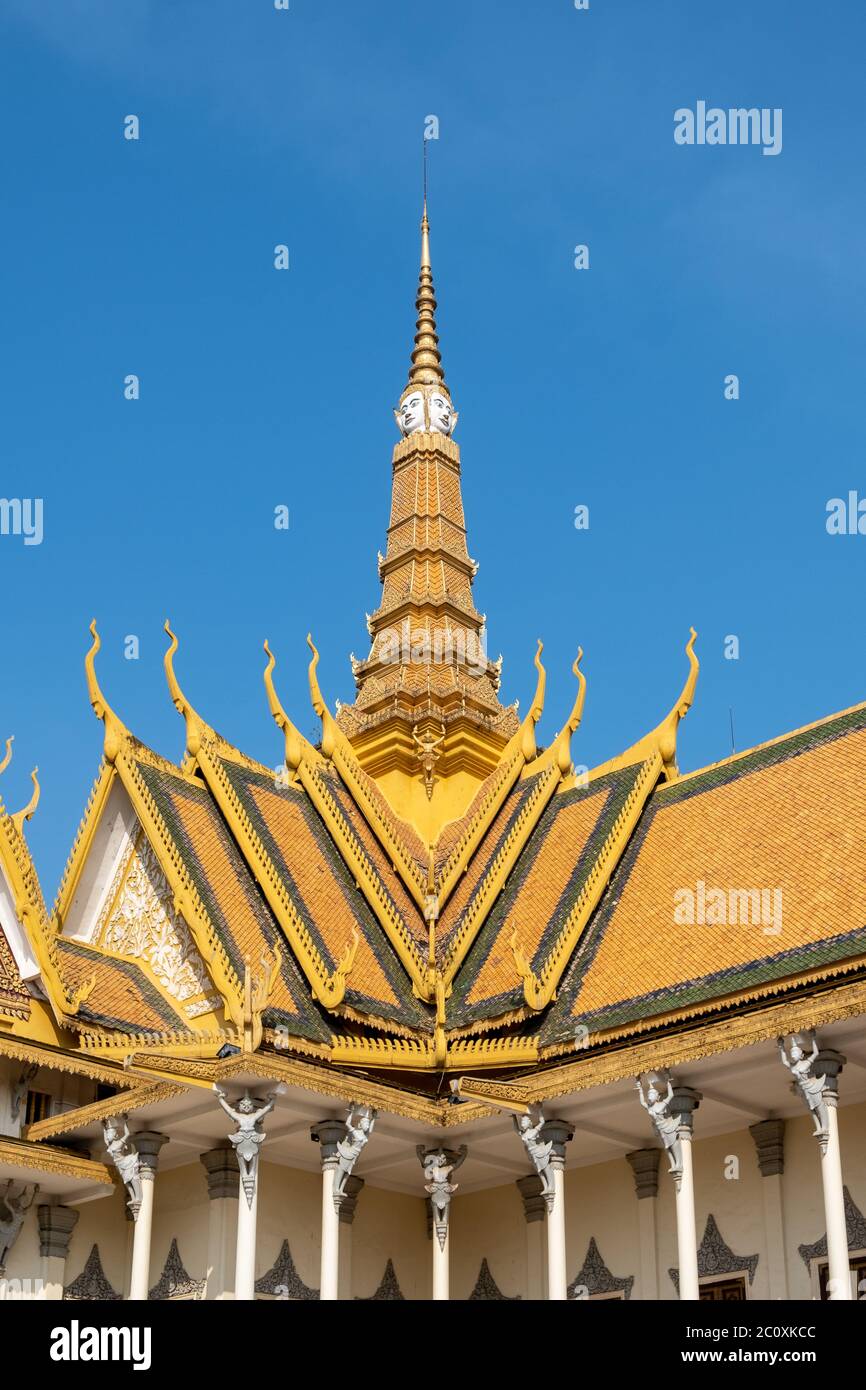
<point>23,1153</point>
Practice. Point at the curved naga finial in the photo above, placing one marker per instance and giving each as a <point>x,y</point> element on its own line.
<point>296,745</point>
<point>667,730</point>
<point>7,758</point>
<point>21,816</point>
<point>196,727</point>
<point>116,732</point>
<point>559,751</point>
<point>662,740</point>
<point>528,746</point>
<point>330,733</point>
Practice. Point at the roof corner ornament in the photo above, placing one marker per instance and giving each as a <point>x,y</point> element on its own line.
<point>537,995</point>
<point>116,732</point>
<point>667,730</point>
<point>530,1128</point>
<point>7,757</point>
<point>439,1164</point>
<point>526,733</point>
<point>29,810</point>
<point>258,989</point>
<point>296,744</point>
<point>330,731</point>
<point>125,1157</point>
<point>559,752</point>
<point>359,1126</point>
<point>247,1140</point>
<point>196,728</point>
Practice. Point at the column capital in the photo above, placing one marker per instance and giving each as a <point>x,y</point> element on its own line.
<point>644,1164</point>
<point>684,1103</point>
<point>769,1137</point>
<point>531,1189</point>
<point>349,1199</point>
<point>222,1169</point>
<point>558,1133</point>
<point>328,1134</point>
<point>56,1225</point>
<point>147,1145</point>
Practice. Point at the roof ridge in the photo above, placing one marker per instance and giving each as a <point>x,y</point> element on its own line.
<point>759,747</point>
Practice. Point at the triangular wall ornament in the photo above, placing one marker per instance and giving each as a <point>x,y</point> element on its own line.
<point>175,1282</point>
<point>596,1278</point>
<point>715,1257</point>
<point>855,1225</point>
<point>283,1280</point>
<point>389,1290</point>
<point>91,1286</point>
<point>486,1288</point>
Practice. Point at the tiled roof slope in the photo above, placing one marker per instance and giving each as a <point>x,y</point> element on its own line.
<point>122,997</point>
<point>788,819</point>
<point>323,893</point>
<point>232,899</point>
<point>538,896</point>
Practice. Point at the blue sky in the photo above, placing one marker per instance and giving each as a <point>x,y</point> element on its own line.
<point>258,388</point>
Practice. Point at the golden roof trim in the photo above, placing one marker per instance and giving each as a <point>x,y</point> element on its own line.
<point>23,1154</point>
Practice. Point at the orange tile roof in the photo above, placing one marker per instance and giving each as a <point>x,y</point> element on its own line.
<point>684,922</point>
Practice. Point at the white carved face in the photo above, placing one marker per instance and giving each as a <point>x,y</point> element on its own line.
<point>410,416</point>
<point>442,418</point>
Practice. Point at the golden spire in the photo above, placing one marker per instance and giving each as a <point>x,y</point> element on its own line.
<point>426,369</point>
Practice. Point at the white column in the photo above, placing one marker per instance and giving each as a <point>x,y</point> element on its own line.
<point>769,1137</point>
<point>815,1074</point>
<point>534,1211</point>
<point>328,1134</point>
<point>248,1113</point>
<point>687,1237</point>
<point>441,1267</point>
<point>644,1164</point>
<point>221,1166</point>
<point>438,1164</point>
<point>56,1224</point>
<point>839,1271</point>
<point>348,1206</point>
<point>245,1247</point>
<point>147,1145</point>
<point>560,1133</point>
<point>671,1108</point>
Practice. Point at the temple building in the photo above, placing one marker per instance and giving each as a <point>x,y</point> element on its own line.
<point>421,1010</point>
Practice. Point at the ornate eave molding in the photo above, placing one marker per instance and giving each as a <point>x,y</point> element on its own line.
<point>22,1153</point>
<point>487,1290</point>
<point>855,1225</point>
<point>175,1281</point>
<point>389,1290</point>
<point>92,1286</point>
<point>596,1278</point>
<point>715,1257</point>
<point>672,1049</point>
<point>102,1109</point>
<point>283,1280</point>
